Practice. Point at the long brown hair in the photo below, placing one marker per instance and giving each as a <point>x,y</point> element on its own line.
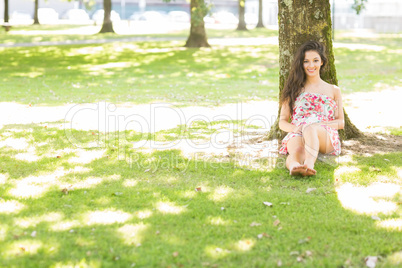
<point>297,77</point>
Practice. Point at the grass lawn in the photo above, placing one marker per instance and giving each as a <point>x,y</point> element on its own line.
<point>118,206</point>
<point>143,72</point>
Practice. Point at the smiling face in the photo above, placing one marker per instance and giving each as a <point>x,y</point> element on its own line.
<point>312,63</point>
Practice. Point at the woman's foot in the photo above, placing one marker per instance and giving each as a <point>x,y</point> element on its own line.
<point>310,171</point>
<point>298,170</point>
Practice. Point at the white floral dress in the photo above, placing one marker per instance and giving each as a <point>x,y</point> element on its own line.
<point>310,108</point>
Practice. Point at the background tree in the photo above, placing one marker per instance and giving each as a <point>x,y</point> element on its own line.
<point>107,26</point>
<point>359,5</point>
<point>260,24</point>
<point>36,17</point>
<point>242,22</point>
<point>198,35</point>
<point>300,21</point>
<point>6,17</point>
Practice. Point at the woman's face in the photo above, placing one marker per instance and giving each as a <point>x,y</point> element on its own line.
<point>312,63</point>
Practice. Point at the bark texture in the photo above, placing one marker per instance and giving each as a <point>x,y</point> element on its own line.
<point>301,21</point>
<point>107,26</point>
<point>6,17</point>
<point>36,17</point>
<point>242,22</point>
<point>260,24</point>
<point>198,36</point>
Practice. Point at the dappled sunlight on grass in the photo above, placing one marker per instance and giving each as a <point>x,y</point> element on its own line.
<point>3,178</point>
<point>169,208</point>
<point>133,235</point>
<point>106,217</point>
<point>363,199</point>
<point>216,252</point>
<point>391,224</point>
<point>65,225</point>
<point>245,245</point>
<point>24,247</point>
<point>144,214</point>
<point>359,46</point>
<point>218,221</point>
<point>221,193</point>
<point>86,156</point>
<point>130,183</point>
<point>36,186</point>
<point>3,231</point>
<point>16,144</point>
<point>33,221</point>
<point>10,206</point>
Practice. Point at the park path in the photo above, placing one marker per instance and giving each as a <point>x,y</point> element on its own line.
<point>213,41</point>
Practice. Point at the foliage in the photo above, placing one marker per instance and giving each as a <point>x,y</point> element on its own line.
<point>359,5</point>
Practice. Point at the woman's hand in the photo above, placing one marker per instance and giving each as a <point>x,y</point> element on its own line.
<point>298,129</point>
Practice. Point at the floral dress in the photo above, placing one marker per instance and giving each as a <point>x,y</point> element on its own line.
<point>310,108</point>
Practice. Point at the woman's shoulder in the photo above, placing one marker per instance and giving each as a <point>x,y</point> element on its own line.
<point>332,90</point>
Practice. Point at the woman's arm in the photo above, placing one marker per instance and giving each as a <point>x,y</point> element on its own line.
<point>284,118</point>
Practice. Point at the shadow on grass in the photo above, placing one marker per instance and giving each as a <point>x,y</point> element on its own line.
<point>117,213</point>
<point>137,72</point>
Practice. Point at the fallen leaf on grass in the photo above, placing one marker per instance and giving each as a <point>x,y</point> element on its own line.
<point>285,203</point>
<point>279,263</point>
<point>305,240</point>
<point>292,253</point>
<point>255,224</point>
<point>310,190</point>
<point>263,235</point>
<point>175,254</point>
<point>58,156</point>
<point>309,253</point>
<point>375,218</point>
<point>267,204</point>
<point>277,222</point>
<point>299,259</point>
<point>371,261</point>
<point>33,234</point>
<point>68,189</point>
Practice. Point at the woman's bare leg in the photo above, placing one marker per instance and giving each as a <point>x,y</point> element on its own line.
<point>316,139</point>
<point>295,160</point>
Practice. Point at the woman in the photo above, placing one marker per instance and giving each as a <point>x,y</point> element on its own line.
<point>315,108</point>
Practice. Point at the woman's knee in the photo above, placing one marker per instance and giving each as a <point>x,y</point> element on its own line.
<point>297,149</point>
<point>309,130</point>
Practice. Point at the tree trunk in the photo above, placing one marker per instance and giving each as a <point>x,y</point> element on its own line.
<point>198,36</point>
<point>107,26</point>
<point>6,17</point>
<point>260,24</point>
<point>301,21</point>
<point>242,22</point>
<point>36,17</point>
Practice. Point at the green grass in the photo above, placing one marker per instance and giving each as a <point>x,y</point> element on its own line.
<point>144,72</point>
<point>117,206</point>
<point>139,73</point>
<point>120,212</point>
